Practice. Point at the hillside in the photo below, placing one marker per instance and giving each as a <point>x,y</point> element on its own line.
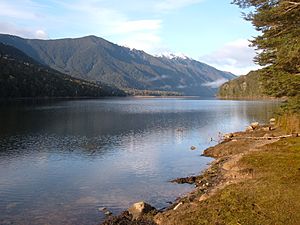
<point>22,76</point>
<point>95,59</point>
<point>247,86</point>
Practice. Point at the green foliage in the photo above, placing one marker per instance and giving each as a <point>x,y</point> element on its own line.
<point>248,86</point>
<point>279,43</point>
<point>279,83</point>
<point>21,76</point>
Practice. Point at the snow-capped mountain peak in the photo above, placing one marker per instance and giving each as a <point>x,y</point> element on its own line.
<point>171,55</point>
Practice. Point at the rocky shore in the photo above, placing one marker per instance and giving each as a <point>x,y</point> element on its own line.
<point>225,170</point>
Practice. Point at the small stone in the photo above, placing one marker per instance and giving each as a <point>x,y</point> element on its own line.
<point>107,213</point>
<point>193,147</point>
<point>254,125</point>
<point>102,209</point>
<point>268,135</point>
<point>266,128</point>
<point>249,128</point>
<point>228,136</point>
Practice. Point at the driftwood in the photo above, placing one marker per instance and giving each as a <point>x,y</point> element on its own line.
<point>262,138</point>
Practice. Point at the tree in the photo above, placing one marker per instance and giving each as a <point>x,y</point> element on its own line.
<point>279,43</point>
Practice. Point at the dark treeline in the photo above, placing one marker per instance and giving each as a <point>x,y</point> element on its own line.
<point>137,92</point>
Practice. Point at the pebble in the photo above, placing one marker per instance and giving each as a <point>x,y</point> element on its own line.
<point>107,213</point>
<point>102,209</point>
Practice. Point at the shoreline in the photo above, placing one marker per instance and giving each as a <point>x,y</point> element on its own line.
<point>223,171</point>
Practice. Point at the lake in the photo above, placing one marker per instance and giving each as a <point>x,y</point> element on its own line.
<point>61,160</point>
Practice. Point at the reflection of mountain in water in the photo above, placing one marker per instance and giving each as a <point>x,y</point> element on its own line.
<point>90,126</point>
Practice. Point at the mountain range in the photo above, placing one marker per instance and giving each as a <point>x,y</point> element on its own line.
<point>95,59</point>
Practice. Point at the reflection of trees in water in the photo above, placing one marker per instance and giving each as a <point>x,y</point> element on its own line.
<point>261,111</point>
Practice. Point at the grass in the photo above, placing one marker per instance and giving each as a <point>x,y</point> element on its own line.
<point>290,122</point>
<point>272,197</point>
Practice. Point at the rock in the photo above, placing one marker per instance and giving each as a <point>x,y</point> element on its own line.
<point>228,136</point>
<point>272,121</point>
<point>102,209</point>
<point>107,213</point>
<point>178,205</point>
<point>249,128</point>
<point>140,208</point>
<point>193,147</point>
<point>254,125</point>
<point>185,180</point>
<point>203,197</point>
<point>266,128</point>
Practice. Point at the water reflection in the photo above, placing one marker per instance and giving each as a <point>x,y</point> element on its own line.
<point>61,160</point>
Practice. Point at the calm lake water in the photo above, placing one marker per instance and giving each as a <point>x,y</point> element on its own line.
<point>62,160</point>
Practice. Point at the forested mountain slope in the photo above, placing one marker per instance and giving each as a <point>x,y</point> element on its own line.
<point>95,59</point>
<point>22,76</point>
<point>247,86</point>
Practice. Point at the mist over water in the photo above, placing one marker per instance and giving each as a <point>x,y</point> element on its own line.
<point>62,160</point>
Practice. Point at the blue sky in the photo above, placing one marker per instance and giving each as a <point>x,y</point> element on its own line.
<point>210,31</point>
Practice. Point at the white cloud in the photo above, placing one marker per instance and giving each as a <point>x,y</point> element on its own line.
<point>216,83</point>
<point>112,19</point>
<point>109,20</point>
<point>169,5</point>
<point>83,17</point>
<point>40,34</point>
<point>138,25</point>
<point>8,28</point>
<point>148,42</point>
<point>236,57</point>
<point>142,34</point>
<point>18,11</point>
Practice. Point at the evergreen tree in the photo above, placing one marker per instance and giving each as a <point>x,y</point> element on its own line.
<point>279,43</point>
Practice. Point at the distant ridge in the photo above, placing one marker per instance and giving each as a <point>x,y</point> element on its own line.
<point>95,59</point>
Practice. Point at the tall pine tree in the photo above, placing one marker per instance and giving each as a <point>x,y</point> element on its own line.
<point>279,43</point>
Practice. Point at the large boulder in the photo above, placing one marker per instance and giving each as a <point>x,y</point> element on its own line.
<point>140,208</point>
